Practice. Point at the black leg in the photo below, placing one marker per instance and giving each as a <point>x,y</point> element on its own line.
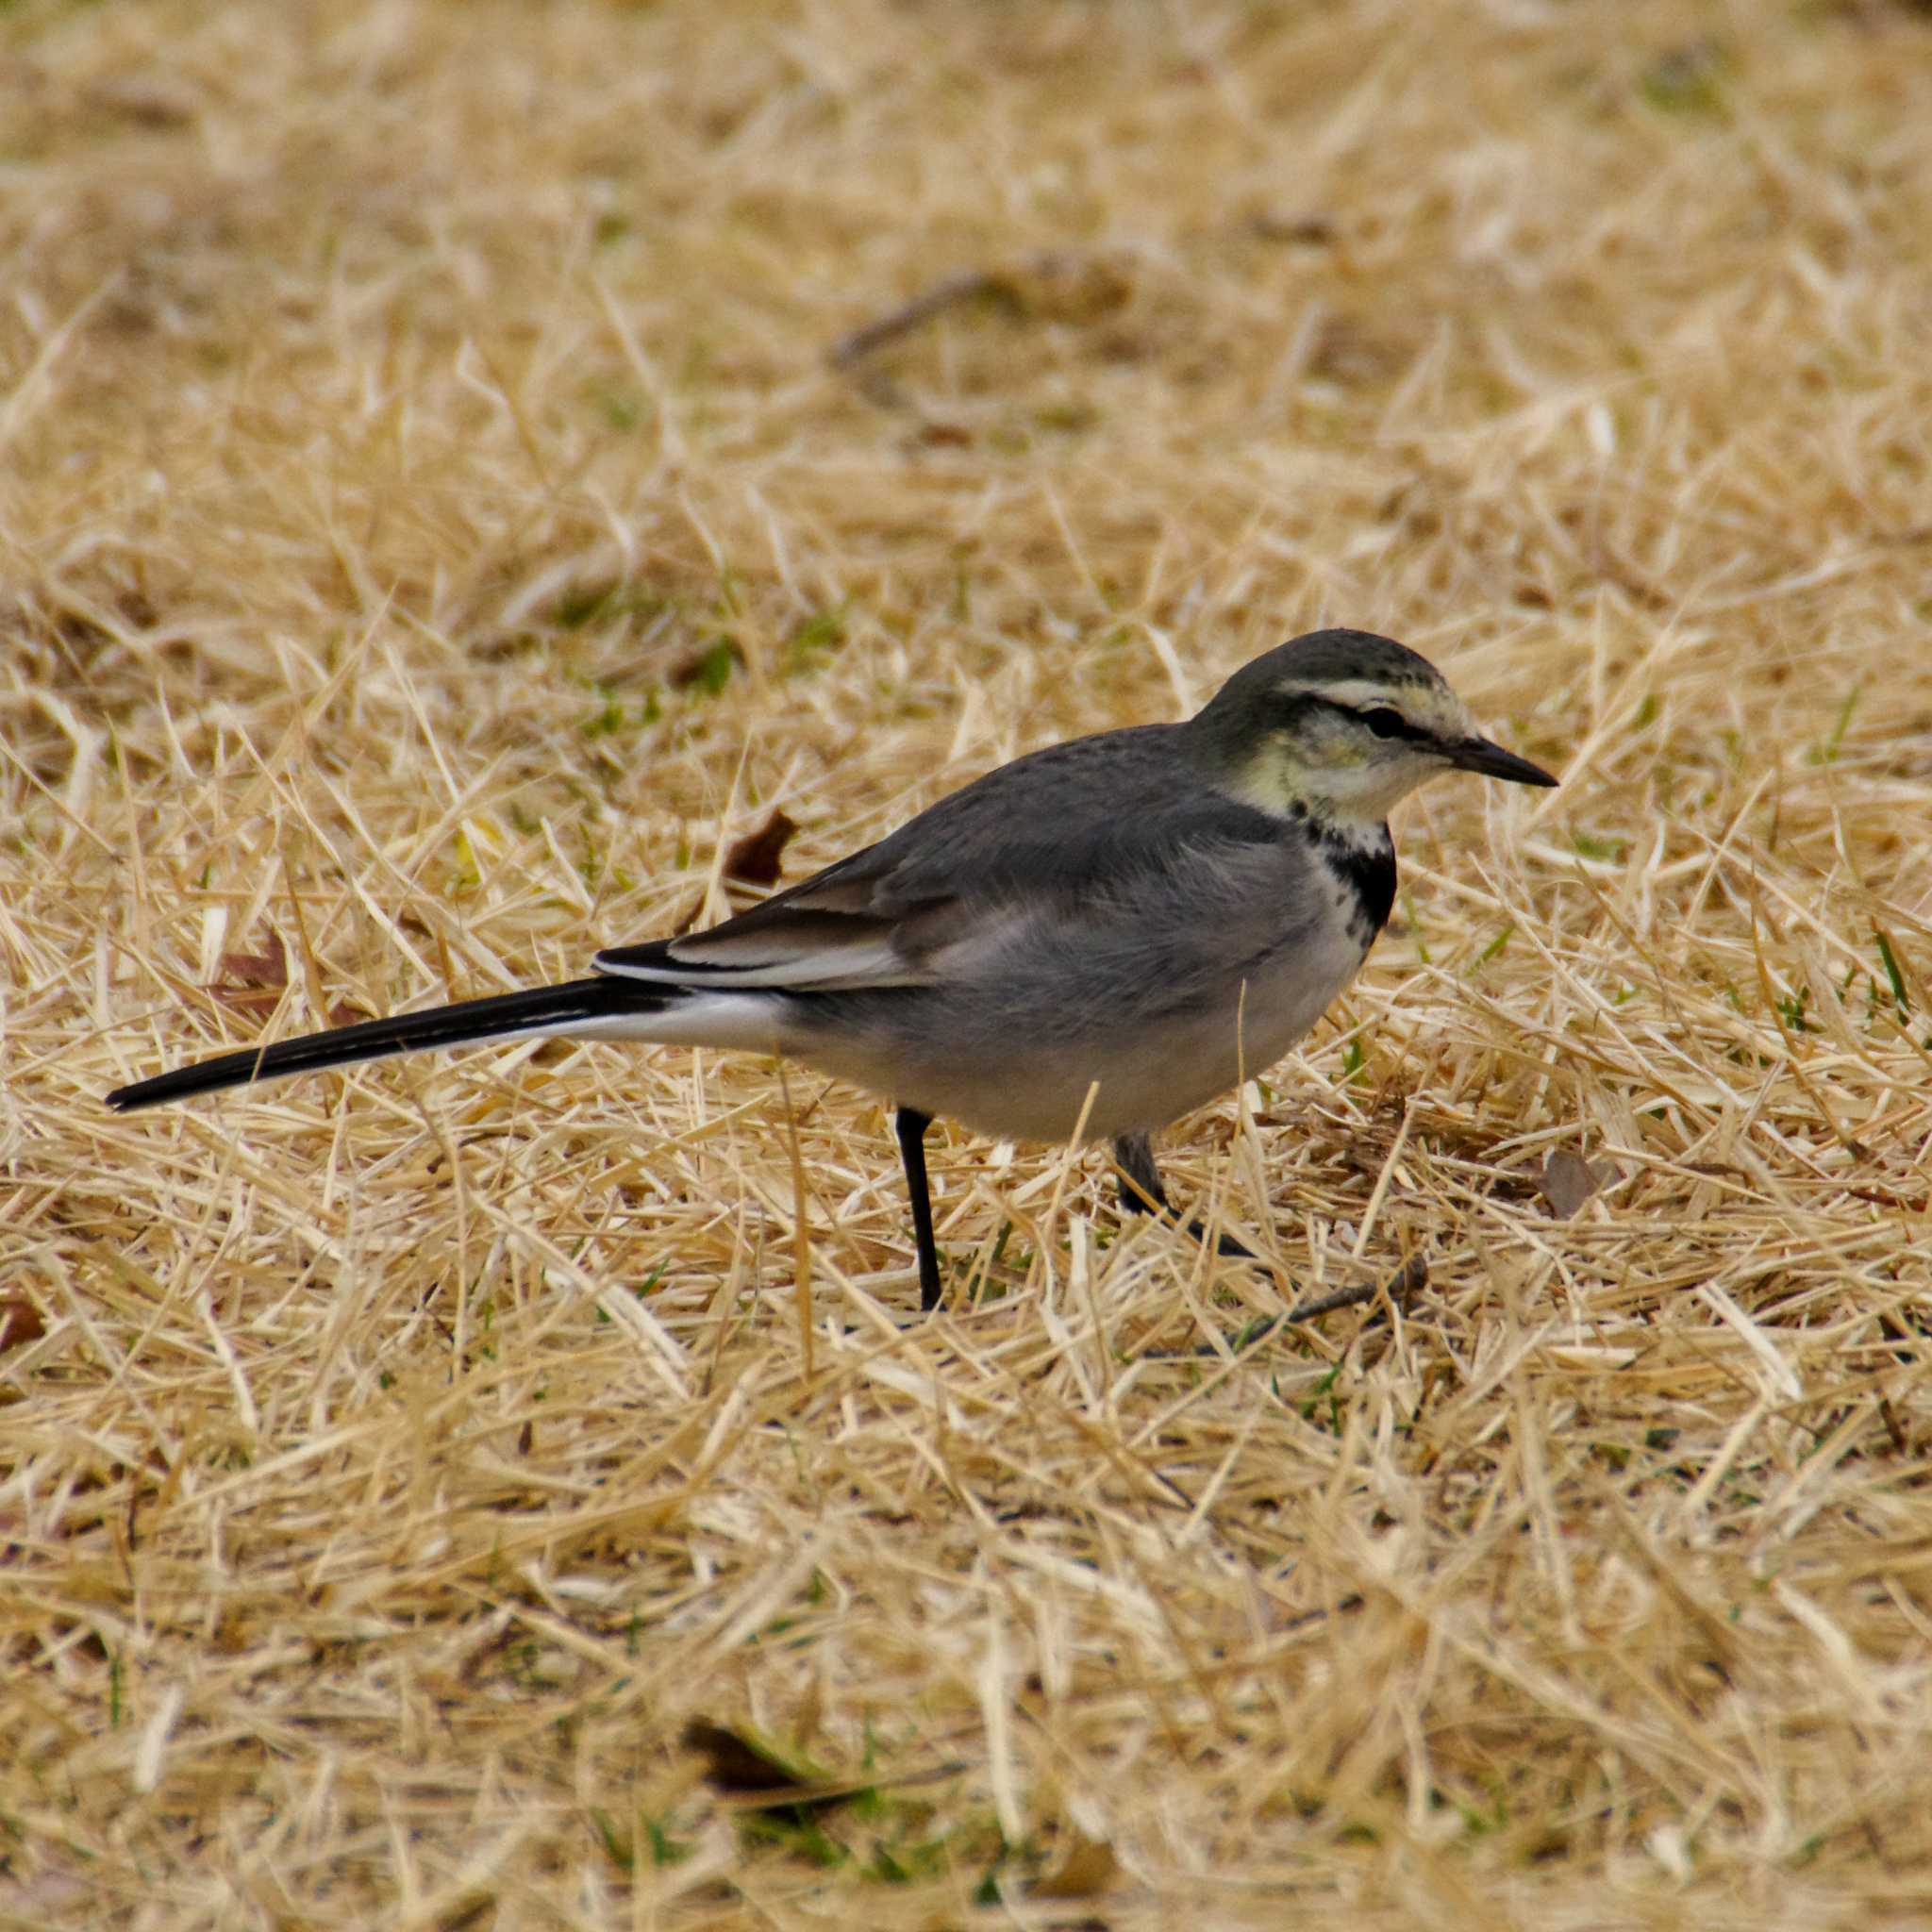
<point>1140,1192</point>
<point>912,1125</point>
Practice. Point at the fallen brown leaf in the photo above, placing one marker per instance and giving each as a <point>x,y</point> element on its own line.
<point>1089,1868</point>
<point>20,1322</point>
<point>269,967</point>
<point>1568,1181</point>
<point>754,859</point>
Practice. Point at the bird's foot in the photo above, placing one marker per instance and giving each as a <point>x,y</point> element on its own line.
<point>1137,1196</point>
<point>1140,1192</point>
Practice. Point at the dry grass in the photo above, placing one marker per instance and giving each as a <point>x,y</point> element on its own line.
<point>408,412</point>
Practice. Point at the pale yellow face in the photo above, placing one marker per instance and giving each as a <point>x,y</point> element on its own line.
<point>1348,749</point>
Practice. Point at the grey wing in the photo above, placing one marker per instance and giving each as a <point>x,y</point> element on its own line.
<point>1076,825</point>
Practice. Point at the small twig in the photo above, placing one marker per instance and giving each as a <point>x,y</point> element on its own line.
<point>969,285</point>
<point>1055,287</point>
<point>1411,1279</point>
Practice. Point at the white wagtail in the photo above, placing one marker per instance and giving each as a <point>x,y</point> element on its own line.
<point>1145,916</point>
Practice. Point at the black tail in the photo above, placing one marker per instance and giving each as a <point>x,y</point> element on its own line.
<point>469,1023</point>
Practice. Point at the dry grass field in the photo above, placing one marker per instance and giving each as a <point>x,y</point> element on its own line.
<point>463,465</point>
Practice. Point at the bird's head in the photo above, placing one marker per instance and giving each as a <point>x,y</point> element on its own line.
<point>1343,724</point>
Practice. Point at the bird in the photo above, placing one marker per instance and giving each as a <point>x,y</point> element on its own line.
<point>1088,942</point>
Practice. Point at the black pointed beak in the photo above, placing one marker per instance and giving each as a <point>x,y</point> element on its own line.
<point>1492,761</point>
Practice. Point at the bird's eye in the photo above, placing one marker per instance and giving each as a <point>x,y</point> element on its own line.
<point>1386,723</point>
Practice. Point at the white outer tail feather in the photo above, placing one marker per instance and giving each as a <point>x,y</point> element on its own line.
<point>829,969</point>
<point>746,1020</point>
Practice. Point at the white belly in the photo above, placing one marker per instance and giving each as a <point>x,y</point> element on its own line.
<point>1022,1082</point>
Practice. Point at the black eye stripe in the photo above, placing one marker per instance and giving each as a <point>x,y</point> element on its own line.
<point>1385,721</point>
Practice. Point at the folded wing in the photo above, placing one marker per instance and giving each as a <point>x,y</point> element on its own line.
<point>1075,823</point>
